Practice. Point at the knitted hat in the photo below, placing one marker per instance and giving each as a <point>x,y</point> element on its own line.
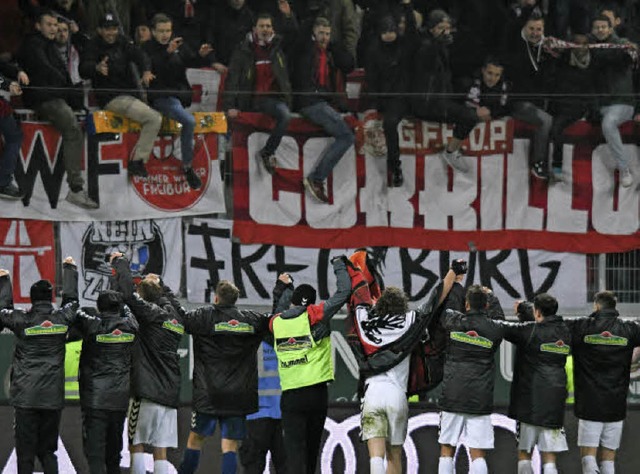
<point>303,295</point>
<point>41,291</point>
<point>110,301</point>
<point>436,17</point>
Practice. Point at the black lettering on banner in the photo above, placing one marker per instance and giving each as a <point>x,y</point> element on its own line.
<point>38,163</point>
<point>525,270</point>
<point>94,167</point>
<point>280,265</point>
<point>241,265</point>
<point>412,267</point>
<point>209,263</point>
<point>323,274</point>
<point>489,271</point>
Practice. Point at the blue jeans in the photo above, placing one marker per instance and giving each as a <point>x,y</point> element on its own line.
<point>281,114</point>
<point>612,117</point>
<point>325,116</point>
<point>172,108</point>
<point>10,131</point>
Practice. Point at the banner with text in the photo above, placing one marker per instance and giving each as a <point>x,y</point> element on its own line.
<point>497,204</point>
<point>211,256</point>
<point>27,251</point>
<point>152,246</point>
<point>41,174</point>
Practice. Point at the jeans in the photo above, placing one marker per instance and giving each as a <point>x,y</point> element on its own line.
<point>532,114</point>
<point>281,114</point>
<point>325,116</point>
<point>102,439</point>
<point>612,117</point>
<point>36,433</point>
<point>149,119</point>
<point>172,108</point>
<point>10,131</point>
<point>58,112</point>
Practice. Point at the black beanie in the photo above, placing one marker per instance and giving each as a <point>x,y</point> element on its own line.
<point>303,295</point>
<point>387,24</point>
<point>41,291</point>
<point>436,17</point>
<point>110,301</point>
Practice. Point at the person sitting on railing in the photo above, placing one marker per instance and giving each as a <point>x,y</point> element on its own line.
<point>258,80</point>
<point>170,92</point>
<point>52,95</point>
<point>10,130</point>
<point>613,73</point>
<point>108,61</point>
<point>432,80</point>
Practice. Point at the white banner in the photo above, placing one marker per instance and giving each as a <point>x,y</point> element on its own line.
<point>211,256</point>
<point>206,84</point>
<point>152,246</point>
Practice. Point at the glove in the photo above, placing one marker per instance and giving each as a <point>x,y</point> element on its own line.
<point>459,266</point>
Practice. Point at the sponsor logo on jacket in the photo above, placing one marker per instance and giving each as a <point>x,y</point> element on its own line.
<point>558,347</point>
<point>605,338</point>
<point>173,325</point>
<point>115,337</point>
<point>291,363</point>
<point>473,338</point>
<point>234,326</point>
<point>46,328</point>
<point>298,343</point>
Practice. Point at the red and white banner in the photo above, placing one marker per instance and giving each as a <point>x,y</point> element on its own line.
<point>152,246</point>
<point>165,193</point>
<point>211,255</point>
<point>497,204</point>
<point>27,250</point>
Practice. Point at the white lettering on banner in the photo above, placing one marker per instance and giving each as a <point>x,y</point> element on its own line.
<point>437,203</point>
<point>372,202</point>
<point>122,231</point>
<point>338,438</point>
<point>286,210</point>
<point>342,213</point>
<point>491,192</point>
<point>519,214</point>
<point>607,217</point>
<point>561,217</point>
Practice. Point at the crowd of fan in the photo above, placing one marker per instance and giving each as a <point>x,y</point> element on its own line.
<point>458,62</point>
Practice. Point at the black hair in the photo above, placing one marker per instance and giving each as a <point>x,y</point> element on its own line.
<point>606,300</point>
<point>477,298</point>
<point>546,304</point>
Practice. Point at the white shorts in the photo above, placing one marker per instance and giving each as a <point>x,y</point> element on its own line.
<point>474,431</point>
<point>152,424</point>
<point>592,434</point>
<point>549,440</point>
<point>385,413</point>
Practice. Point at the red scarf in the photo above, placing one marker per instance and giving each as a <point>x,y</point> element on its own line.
<point>322,68</point>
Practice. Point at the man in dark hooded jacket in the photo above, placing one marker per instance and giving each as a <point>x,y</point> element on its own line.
<point>37,370</point>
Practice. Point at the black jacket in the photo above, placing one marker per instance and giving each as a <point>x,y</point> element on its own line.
<point>229,29</point>
<point>37,369</point>
<point>170,70</point>
<point>122,55</point>
<point>8,73</point>
<point>469,368</point>
<point>225,373</point>
<point>155,374</point>
<point>241,78</point>
<point>304,70</point>
<point>530,69</point>
<point>105,362</point>
<point>388,70</point>
<point>613,73</point>
<point>431,74</point>
<point>495,98</point>
<point>43,64</point>
<point>571,80</point>
<point>539,387</point>
<point>602,348</point>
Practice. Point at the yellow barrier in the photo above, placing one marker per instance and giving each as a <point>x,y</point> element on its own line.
<point>206,122</point>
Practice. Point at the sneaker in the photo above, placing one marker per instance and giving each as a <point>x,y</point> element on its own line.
<point>268,160</point>
<point>540,171</point>
<point>80,199</point>
<point>316,189</point>
<point>11,192</point>
<point>192,178</point>
<point>626,178</point>
<point>455,160</point>
<point>396,179</point>
<point>137,168</point>
<point>556,174</point>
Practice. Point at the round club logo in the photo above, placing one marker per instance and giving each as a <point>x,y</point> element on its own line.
<point>166,188</point>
